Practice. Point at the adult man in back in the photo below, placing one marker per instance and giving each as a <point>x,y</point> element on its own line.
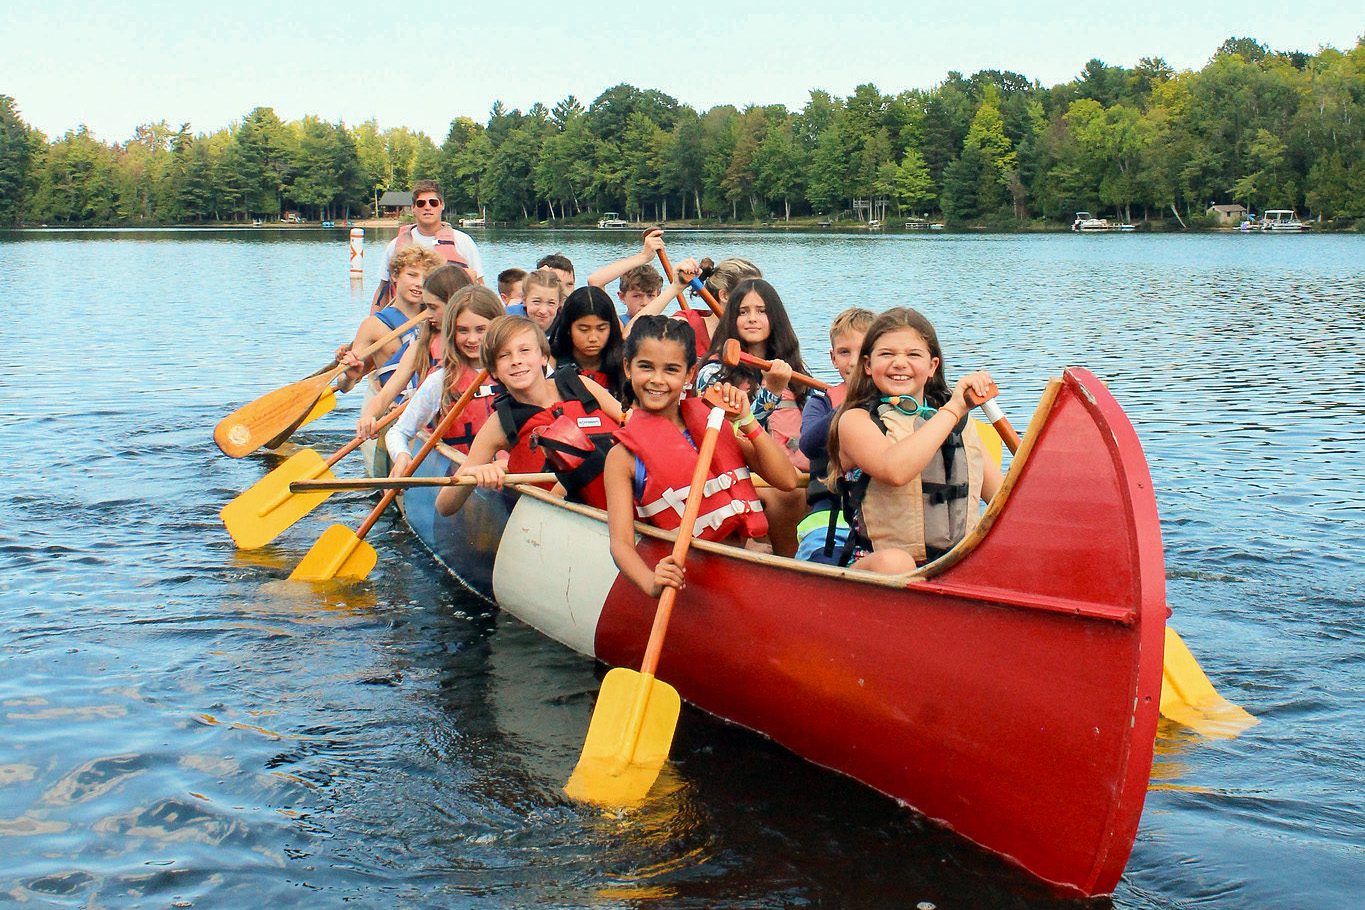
<point>431,232</point>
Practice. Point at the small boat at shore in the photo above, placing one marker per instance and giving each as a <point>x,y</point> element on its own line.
<point>1008,691</point>
<point>612,221</point>
<point>1086,223</point>
<point>1280,221</point>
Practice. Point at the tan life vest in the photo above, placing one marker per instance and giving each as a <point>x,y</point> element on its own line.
<point>909,518</point>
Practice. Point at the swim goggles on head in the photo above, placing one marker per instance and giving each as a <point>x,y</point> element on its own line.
<point>908,406</point>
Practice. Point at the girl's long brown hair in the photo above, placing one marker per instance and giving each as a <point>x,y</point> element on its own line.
<point>472,299</point>
<point>442,283</point>
<point>861,388</point>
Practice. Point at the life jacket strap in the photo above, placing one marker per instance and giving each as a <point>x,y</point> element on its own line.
<point>940,493</point>
<point>676,499</point>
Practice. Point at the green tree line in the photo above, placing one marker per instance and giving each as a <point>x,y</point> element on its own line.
<point>1264,128</point>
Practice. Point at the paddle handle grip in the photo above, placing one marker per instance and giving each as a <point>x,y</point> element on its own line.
<point>991,409</point>
<point>733,355</point>
<point>446,422</point>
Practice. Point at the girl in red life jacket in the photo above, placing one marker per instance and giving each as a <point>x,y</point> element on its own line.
<point>467,317</point>
<point>756,317</point>
<point>423,354</point>
<point>648,473</point>
<point>586,335</point>
<point>516,354</point>
<point>900,447</point>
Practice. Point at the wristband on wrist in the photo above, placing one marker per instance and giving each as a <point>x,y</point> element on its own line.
<point>754,431</point>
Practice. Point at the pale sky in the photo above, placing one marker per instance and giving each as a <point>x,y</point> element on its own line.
<point>115,65</point>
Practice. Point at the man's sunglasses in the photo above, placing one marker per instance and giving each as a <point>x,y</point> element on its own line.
<point>423,203</point>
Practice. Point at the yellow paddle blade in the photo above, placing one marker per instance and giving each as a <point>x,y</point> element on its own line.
<point>266,510</point>
<point>1189,698</point>
<point>324,405</point>
<point>990,440</point>
<point>627,741</point>
<point>337,554</point>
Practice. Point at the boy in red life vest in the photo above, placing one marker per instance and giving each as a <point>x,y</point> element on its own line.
<point>430,232</point>
<point>531,406</point>
<point>647,474</point>
<point>822,533</point>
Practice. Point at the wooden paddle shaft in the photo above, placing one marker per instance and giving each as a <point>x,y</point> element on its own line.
<point>359,440</point>
<point>733,355</point>
<point>706,295</point>
<point>408,483</point>
<point>684,542</point>
<point>446,422</point>
<point>991,409</point>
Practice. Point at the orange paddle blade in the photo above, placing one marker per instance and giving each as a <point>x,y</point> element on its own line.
<point>621,760</point>
<point>254,424</point>
<point>338,553</point>
<point>269,508</point>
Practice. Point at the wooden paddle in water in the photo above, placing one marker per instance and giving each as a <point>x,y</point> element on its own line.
<point>733,355</point>
<point>270,506</point>
<point>632,726</point>
<point>706,295</point>
<point>1187,695</point>
<point>343,552</point>
<point>254,424</point>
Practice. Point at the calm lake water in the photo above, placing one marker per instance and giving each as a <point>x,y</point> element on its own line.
<point>181,726</point>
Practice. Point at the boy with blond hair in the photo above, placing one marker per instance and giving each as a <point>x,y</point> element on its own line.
<point>822,532</point>
<point>408,269</point>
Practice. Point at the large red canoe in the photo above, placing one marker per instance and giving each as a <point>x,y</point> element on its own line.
<point>1008,690</point>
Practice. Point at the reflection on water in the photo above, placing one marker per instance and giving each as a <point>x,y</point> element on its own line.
<point>182,726</point>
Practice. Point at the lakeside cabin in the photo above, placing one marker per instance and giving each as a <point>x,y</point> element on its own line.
<point>395,204</point>
<point>1229,215</point>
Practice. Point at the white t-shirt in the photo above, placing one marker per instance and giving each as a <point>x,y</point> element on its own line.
<point>464,245</point>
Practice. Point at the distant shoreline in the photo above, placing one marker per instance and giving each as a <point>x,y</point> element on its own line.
<point>805,226</point>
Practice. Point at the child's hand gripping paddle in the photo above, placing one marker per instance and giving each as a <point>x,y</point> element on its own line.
<point>700,288</point>
<point>733,355</point>
<point>339,551</point>
<point>636,714</point>
<point>270,507</point>
<point>274,415</point>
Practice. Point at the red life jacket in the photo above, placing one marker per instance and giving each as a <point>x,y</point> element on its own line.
<point>697,319</point>
<point>731,503</point>
<point>445,247</point>
<point>475,414</point>
<point>520,422</point>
